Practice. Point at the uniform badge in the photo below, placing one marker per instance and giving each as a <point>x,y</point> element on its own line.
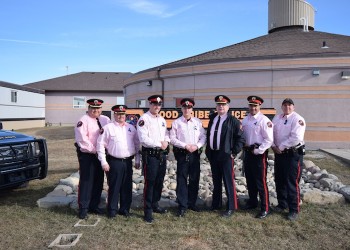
<point>269,124</point>
<point>141,123</point>
<point>301,122</point>
<point>101,131</point>
<point>79,124</point>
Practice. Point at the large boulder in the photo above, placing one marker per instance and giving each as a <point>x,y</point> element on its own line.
<point>322,197</point>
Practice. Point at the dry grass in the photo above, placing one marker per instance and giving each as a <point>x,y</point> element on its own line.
<point>25,226</point>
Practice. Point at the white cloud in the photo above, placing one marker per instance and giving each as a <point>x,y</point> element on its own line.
<point>153,8</point>
<point>35,42</point>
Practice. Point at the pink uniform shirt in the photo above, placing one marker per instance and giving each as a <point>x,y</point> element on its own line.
<point>87,131</point>
<point>288,130</point>
<point>185,132</point>
<point>121,141</point>
<point>258,129</point>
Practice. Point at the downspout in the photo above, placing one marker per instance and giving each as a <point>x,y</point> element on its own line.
<point>160,79</point>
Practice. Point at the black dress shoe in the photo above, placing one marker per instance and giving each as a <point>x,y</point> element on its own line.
<point>194,208</point>
<point>96,211</point>
<point>148,220</point>
<point>227,213</point>
<point>262,214</point>
<point>124,213</point>
<point>83,214</point>
<point>181,213</point>
<point>278,209</point>
<point>112,214</point>
<point>292,216</point>
<point>160,210</point>
<point>214,208</point>
<point>249,206</point>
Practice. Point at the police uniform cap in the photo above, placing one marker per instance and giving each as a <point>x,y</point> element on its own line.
<point>95,103</point>
<point>288,100</point>
<point>222,99</point>
<point>255,100</point>
<point>187,102</point>
<point>119,109</point>
<point>155,99</point>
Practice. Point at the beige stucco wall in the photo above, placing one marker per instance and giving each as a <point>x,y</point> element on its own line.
<point>60,111</point>
<point>323,100</point>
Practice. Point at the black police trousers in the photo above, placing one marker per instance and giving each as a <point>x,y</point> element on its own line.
<point>154,171</point>
<point>287,178</point>
<point>119,180</point>
<point>255,167</point>
<point>188,171</point>
<point>222,168</point>
<point>90,182</point>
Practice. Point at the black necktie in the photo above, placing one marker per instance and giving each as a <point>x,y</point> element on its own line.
<point>215,143</point>
<point>99,125</point>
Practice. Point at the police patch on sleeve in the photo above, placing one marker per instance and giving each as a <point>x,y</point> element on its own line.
<point>269,124</point>
<point>79,124</point>
<point>301,122</point>
<point>141,123</point>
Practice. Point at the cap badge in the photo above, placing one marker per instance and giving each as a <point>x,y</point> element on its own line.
<point>121,108</point>
<point>253,98</point>
<point>95,102</point>
<point>158,99</point>
<point>220,98</point>
<point>187,102</point>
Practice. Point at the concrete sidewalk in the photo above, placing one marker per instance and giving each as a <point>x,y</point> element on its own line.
<point>342,154</point>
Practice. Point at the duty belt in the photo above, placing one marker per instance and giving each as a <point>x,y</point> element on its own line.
<point>300,149</point>
<point>121,159</point>
<point>153,151</point>
<point>180,150</point>
<point>251,147</point>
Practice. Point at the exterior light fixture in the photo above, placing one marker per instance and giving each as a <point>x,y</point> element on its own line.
<point>315,72</point>
<point>345,75</point>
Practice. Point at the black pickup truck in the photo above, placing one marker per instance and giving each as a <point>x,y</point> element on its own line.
<point>22,158</point>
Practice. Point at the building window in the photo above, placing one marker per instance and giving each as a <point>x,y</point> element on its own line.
<point>120,100</point>
<point>141,103</point>
<point>13,96</point>
<point>79,102</point>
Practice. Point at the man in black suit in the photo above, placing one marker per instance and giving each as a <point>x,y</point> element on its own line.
<point>224,142</point>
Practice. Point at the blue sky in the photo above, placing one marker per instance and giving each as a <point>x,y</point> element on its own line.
<point>44,39</point>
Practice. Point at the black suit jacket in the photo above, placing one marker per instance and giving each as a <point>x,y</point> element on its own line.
<point>231,137</point>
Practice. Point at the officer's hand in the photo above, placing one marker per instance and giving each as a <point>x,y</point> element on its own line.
<point>164,145</point>
<point>276,150</point>
<point>137,165</point>
<point>193,148</point>
<point>105,167</point>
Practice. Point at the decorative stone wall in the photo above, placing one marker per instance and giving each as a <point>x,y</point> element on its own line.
<point>316,186</point>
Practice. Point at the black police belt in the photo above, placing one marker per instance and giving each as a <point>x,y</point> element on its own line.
<point>300,149</point>
<point>120,159</point>
<point>251,147</point>
<point>177,150</point>
<point>153,151</point>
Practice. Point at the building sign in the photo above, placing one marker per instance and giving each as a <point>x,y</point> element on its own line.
<point>171,114</point>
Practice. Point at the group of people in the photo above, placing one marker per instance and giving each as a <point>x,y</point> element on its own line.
<point>105,146</point>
